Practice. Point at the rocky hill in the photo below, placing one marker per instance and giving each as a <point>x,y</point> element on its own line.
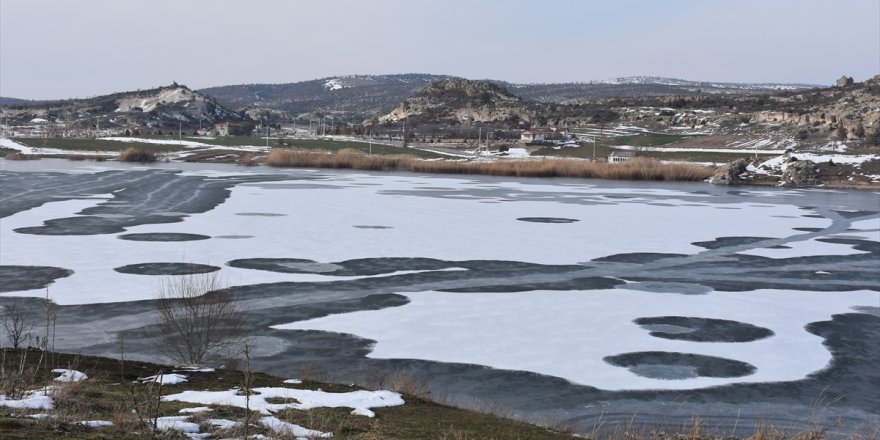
<point>162,107</point>
<point>462,100</point>
<point>352,96</point>
<point>371,95</point>
<point>640,86</point>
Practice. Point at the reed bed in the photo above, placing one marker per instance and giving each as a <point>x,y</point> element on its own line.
<point>634,169</point>
<point>17,155</point>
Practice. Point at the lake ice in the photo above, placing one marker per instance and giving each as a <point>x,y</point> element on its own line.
<point>531,275</point>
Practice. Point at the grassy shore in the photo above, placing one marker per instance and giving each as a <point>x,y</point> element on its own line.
<point>112,393</point>
<point>636,169</point>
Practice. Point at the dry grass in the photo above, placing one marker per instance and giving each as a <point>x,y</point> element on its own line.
<point>636,169</point>
<point>17,155</point>
<point>80,157</point>
<point>137,154</point>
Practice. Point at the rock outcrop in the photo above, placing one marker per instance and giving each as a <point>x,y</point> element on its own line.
<point>730,174</point>
<point>800,173</point>
<point>844,81</point>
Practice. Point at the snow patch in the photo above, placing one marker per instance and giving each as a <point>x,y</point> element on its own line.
<point>69,375</point>
<point>165,379</point>
<point>305,399</point>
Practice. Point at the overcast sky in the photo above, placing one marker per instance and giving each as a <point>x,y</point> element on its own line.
<point>63,48</point>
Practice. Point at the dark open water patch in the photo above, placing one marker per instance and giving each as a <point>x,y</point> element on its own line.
<point>871,310</point>
<point>16,278</point>
<point>637,257</point>
<point>667,287</point>
<point>723,242</point>
<point>285,265</point>
<point>260,214</point>
<point>583,283</point>
<point>854,214</point>
<point>685,328</point>
<point>808,229</point>
<point>166,269</point>
<point>547,220</point>
<point>675,366</point>
<point>371,227</point>
<point>163,236</point>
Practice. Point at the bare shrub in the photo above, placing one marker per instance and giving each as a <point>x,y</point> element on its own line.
<point>198,318</point>
<point>17,322</point>
<point>137,154</point>
<point>400,382</point>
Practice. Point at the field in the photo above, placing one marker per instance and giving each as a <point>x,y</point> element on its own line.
<point>72,144</point>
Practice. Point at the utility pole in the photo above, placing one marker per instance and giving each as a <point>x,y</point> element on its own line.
<point>180,133</point>
<point>404,133</point>
<point>371,142</point>
<point>594,147</point>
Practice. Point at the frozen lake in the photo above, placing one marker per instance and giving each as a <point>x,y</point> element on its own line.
<point>580,301</point>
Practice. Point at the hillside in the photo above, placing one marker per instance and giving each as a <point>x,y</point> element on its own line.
<point>343,96</point>
<point>462,101</point>
<point>371,95</point>
<point>162,107</point>
<point>639,86</point>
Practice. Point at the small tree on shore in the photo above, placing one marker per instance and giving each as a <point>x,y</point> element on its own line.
<point>198,318</point>
<point>17,323</point>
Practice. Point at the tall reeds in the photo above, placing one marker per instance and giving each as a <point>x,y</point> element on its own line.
<point>137,154</point>
<point>634,169</point>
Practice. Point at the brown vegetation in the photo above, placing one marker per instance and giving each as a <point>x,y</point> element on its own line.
<point>80,157</point>
<point>137,154</point>
<point>17,155</point>
<point>635,169</point>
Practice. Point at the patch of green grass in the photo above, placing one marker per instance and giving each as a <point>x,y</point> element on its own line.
<point>315,144</point>
<point>76,144</point>
<point>646,139</point>
<point>706,156</point>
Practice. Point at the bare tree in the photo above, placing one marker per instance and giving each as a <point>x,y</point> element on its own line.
<point>198,318</point>
<point>17,322</point>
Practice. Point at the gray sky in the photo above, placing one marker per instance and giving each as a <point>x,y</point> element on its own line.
<point>63,48</point>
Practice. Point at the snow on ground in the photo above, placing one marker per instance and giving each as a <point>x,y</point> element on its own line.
<point>149,103</point>
<point>693,150</point>
<point>66,375</point>
<point>517,152</point>
<point>96,423</point>
<point>197,409</point>
<point>32,400</point>
<point>165,379</point>
<point>473,228</point>
<point>305,399</point>
<point>177,423</point>
<point>281,427</point>
<point>850,159</point>
<point>515,331</point>
<point>222,423</point>
<point>9,143</point>
<point>293,381</point>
